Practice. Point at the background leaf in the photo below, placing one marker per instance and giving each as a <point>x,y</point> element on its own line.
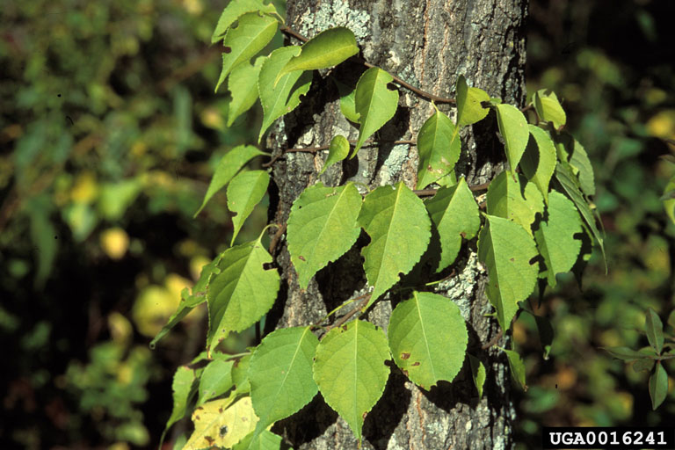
<point>375,103</point>
<point>513,128</point>
<point>252,34</point>
<point>242,292</point>
<point>390,215</point>
<point>506,249</point>
<point>322,227</point>
<point>455,214</point>
<point>350,371</point>
<point>283,96</point>
<point>658,385</point>
<point>428,338</point>
<point>654,329</point>
<point>439,147</point>
<point>228,167</point>
<point>281,375</point>
<point>243,193</point>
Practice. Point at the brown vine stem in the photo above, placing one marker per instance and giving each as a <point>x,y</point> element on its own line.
<point>435,98</point>
<point>341,321</point>
<point>275,240</point>
<point>326,147</point>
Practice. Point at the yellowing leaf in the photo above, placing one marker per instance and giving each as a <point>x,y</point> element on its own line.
<point>221,423</point>
<point>115,242</point>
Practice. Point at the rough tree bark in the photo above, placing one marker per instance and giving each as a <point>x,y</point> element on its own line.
<point>428,44</point>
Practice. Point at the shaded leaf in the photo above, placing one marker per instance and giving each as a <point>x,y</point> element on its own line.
<point>374,102</point>
<point>545,330</point>
<point>506,249</point>
<point>242,292</point>
<point>228,167</point>
<point>469,99</point>
<point>539,160</point>
<point>281,375</point>
<point>252,34</point>
<point>643,365</point>
<point>339,150</point>
<point>511,197</point>
<point>455,213</point>
<point>234,10</point>
<point>513,128</point>
<point>555,236</point>
<point>580,162</point>
<point>243,87</point>
<point>181,387</point>
<point>623,353</point>
<point>327,49</point>
<point>478,374</point>
<point>243,193</point>
<point>671,319</point>
<point>658,385</point>
<point>517,368</point>
<point>347,101</point>
<point>548,107</point>
<point>240,375</point>
<point>669,202</point>
<point>350,370</point>
<point>391,215</point>
<point>654,329</point>
<point>439,147</point>
<point>428,338</point>
<point>281,97</point>
<point>322,227</point>
<point>215,381</point>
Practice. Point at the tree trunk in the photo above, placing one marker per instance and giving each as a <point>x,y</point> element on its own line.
<point>428,44</point>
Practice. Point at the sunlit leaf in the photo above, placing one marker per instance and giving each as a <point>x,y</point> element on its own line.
<point>539,160</point>
<point>252,34</point>
<point>327,49</point>
<point>505,199</point>
<point>182,388</point>
<point>439,147</point>
<point>281,97</point>
<point>234,10</point>
<point>347,101</point>
<point>322,227</point>
<point>478,374</point>
<point>513,128</point>
<point>548,107</point>
<point>375,103</point>
<point>221,423</point>
<point>428,338</point>
<point>243,87</point>
<point>339,150</point>
<point>350,370</point>
<point>265,441</point>
<point>391,215</point>
<point>228,167</point>
<point>469,99</point>
<point>455,213</point>
<point>244,192</point>
<point>215,381</point>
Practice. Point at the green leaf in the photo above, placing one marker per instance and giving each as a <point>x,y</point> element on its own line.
<point>669,202</point>
<point>243,193</point>
<point>242,292</point>
<point>469,103</point>
<point>624,353</point>
<point>671,319</point>
<point>455,214</point>
<point>221,423</point>
<point>281,375</point>
<point>643,365</point>
<point>539,160</point>
<point>322,227</point>
<point>252,34</point>
<point>555,236</point>
<point>567,180</point>
<point>183,381</point>
<point>240,375</point>
<point>506,249</point>
<point>234,10</point>
<point>347,101</point>
<point>284,96</point>
<point>391,215</point>
<point>505,199</point>
<point>517,367</point>
<point>215,381</point>
<point>654,329</point>
<point>228,167</point>
<point>266,441</point>
<point>548,107</point>
<point>350,370</point>
<point>478,373</point>
<point>375,103</point>
<point>581,163</point>
<point>189,301</point>
<point>513,128</point>
<point>327,49</point>
<point>658,385</point>
<point>339,150</point>
<point>243,87</point>
<point>439,147</point>
<point>428,338</point>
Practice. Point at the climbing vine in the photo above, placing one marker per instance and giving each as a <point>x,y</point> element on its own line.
<point>532,222</point>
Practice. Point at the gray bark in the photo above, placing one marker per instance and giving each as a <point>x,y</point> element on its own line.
<point>428,44</point>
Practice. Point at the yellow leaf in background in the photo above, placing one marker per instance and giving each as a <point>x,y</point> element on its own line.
<point>662,124</point>
<point>221,423</point>
<point>85,188</point>
<point>120,327</point>
<point>115,242</point>
<point>153,307</point>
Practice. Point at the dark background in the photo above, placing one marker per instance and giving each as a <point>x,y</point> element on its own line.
<point>110,131</point>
